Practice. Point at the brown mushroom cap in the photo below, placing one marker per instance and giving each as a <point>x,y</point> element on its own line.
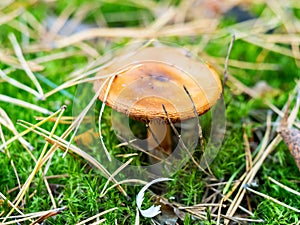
<point>154,76</point>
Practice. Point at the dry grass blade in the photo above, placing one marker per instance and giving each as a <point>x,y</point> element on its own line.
<point>24,104</point>
<point>63,119</point>
<point>30,216</point>
<point>24,29</point>
<point>271,47</point>
<point>134,146</point>
<point>250,175</point>
<point>10,158</point>
<point>238,220</point>
<point>219,211</point>
<point>73,83</point>
<point>34,23</point>
<point>6,121</point>
<point>18,84</point>
<point>10,204</point>
<point>256,26</point>
<point>79,16</point>
<point>114,174</point>
<point>163,20</point>
<point>15,64</point>
<point>110,81</point>
<point>229,200</point>
<point>48,215</point>
<point>60,22</point>
<point>258,161</point>
<point>279,38</point>
<point>96,216</point>
<point>182,143</point>
<point>136,181</point>
<point>249,162</point>
<point>10,16</point>
<point>240,86</point>
<point>284,187</point>
<point>98,222</point>
<point>55,56</point>
<point>80,118</point>
<point>25,65</point>
<point>59,142</point>
<point>100,32</point>
<point>202,205</point>
<point>243,64</point>
<point>225,74</point>
<point>36,168</point>
<point>294,113</point>
<point>16,137</point>
<point>5,3</point>
<point>272,199</point>
<point>199,130</point>
<point>187,29</point>
<point>266,137</point>
<point>288,22</point>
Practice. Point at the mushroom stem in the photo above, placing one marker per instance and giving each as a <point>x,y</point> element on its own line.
<point>159,138</point>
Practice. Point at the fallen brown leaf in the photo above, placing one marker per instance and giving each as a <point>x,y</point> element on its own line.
<point>86,138</point>
<point>291,138</point>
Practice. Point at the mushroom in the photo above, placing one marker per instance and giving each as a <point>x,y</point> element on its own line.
<point>153,77</point>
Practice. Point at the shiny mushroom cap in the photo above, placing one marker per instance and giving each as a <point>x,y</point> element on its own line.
<point>155,76</point>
